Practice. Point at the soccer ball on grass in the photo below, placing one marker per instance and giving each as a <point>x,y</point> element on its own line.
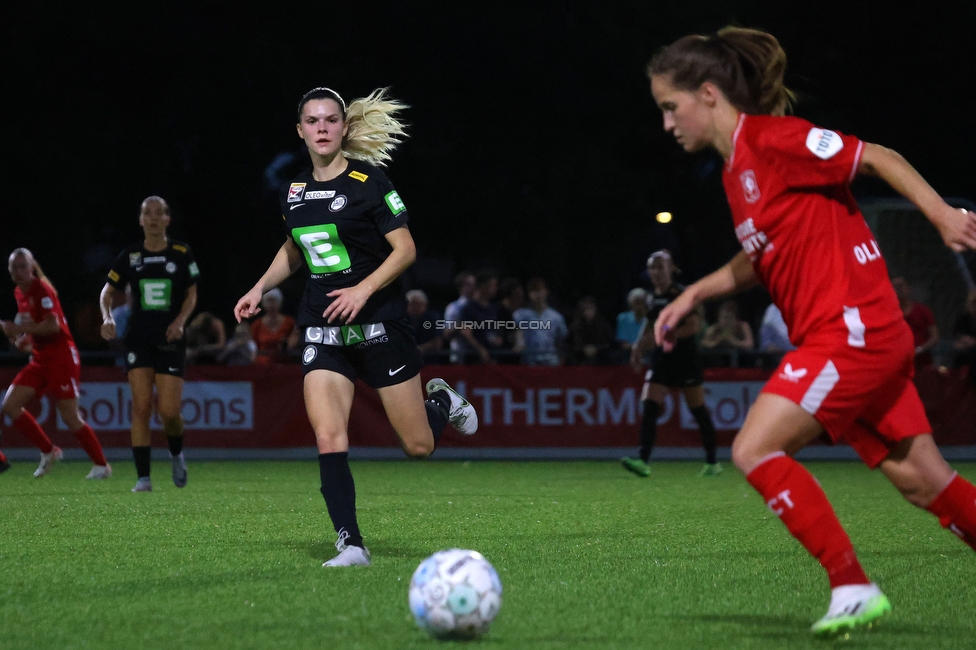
<point>455,594</point>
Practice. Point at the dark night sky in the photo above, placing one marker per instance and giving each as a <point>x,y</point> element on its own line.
<point>535,145</point>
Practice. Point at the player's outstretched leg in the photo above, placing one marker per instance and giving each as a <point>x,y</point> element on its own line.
<point>461,413</point>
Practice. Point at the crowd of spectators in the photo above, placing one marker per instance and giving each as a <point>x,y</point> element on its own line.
<point>506,321</point>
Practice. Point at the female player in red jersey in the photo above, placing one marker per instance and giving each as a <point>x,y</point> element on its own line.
<point>54,368</point>
<point>804,239</point>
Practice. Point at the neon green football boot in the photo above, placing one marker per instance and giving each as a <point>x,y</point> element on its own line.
<point>852,607</point>
<point>711,469</point>
<point>637,466</point>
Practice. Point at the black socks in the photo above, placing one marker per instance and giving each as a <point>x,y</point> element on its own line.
<point>704,420</point>
<point>142,457</point>
<point>339,491</point>
<point>648,429</point>
<point>175,444</point>
<point>438,405</point>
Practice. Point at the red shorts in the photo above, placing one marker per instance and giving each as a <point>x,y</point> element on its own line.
<point>864,397</point>
<point>58,374</point>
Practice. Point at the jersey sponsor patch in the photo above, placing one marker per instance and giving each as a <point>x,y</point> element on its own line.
<point>47,303</point>
<point>824,144</point>
<point>324,251</point>
<point>177,247</point>
<point>338,204</point>
<point>155,294</point>
<point>113,276</point>
<point>319,194</point>
<point>394,202</point>
<point>309,354</point>
<point>155,259</point>
<point>359,176</point>
<point>193,269</point>
<point>295,191</point>
<point>135,259</point>
<point>750,187</point>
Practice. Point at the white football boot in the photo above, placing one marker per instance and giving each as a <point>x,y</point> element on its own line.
<point>47,461</point>
<point>100,472</point>
<point>461,415</point>
<point>348,555</point>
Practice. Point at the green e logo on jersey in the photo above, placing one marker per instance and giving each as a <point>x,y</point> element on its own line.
<point>395,203</point>
<point>324,251</point>
<point>155,294</point>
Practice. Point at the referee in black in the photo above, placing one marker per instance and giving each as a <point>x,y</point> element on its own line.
<point>347,225</point>
<point>681,368</point>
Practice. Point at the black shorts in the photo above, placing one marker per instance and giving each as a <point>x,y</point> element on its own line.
<point>167,359</point>
<point>381,354</point>
<point>680,368</point>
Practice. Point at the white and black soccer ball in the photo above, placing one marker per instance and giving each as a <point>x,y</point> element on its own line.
<point>455,594</point>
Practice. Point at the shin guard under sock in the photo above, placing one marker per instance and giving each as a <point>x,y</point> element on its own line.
<point>707,429</point>
<point>27,425</point>
<point>956,509</point>
<point>339,491</point>
<point>797,499</point>
<point>648,428</point>
<point>89,443</point>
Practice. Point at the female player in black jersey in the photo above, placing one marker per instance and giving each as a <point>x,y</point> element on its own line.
<point>348,225</point>
<point>162,275</point>
<point>680,368</point>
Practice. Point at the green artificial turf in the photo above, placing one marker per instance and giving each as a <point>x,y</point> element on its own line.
<point>590,556</point>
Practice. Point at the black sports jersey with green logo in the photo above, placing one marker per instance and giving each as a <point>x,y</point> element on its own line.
<point>159,281</point>
<point>340,225</point>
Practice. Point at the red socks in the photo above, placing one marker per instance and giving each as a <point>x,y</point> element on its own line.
<point>797,499</point>
<point>956,509</point>
<point>27,425</point>
<point>90,444</point>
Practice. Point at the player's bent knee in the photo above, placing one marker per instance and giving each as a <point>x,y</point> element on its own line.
<point>418,448</point>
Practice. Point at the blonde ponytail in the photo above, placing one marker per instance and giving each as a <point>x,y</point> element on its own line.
<point>374,130</point>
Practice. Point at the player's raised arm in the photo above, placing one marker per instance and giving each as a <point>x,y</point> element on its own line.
<point>735,276</point>
<point>957,226</point>
<point>286,262</point>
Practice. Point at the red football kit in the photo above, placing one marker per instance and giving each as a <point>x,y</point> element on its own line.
<point>788,186</point>
<point>55,367</point>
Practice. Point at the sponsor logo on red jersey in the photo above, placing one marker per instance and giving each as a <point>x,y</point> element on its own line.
<point>749,186</point>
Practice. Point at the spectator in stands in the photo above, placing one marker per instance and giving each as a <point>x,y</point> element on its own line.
<point>430,340</point>
<point>241,350</point>
<point>729,333</point>
<point>273,332</point>
<point>542,331</point>
<point>464,283</point>
<point>630,322</point>
<point>590,335</point>
<point>773,334</point>
<point>205,338</point>
<point>511,298</point>
<point>481,310</point>
<point>921,321</point>
<point>964,338</point>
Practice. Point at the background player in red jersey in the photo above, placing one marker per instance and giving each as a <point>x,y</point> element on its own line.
<point>805,240</point>
<point>54,368</point>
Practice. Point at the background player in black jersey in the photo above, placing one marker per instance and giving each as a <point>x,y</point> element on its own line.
<point>162,276</point>
<point>348,226</point>
<point>680,368</point>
